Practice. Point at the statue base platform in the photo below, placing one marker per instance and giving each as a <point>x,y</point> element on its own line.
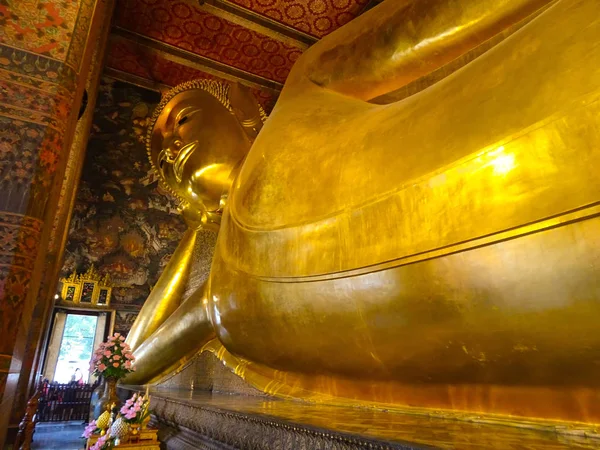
<point>203,420</point>
<point>205,406</point>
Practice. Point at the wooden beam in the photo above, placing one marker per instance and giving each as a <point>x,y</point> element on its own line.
<point>195,61</point>
<point>119,75</point>
<point>370,5</point>
<point>256,22</point>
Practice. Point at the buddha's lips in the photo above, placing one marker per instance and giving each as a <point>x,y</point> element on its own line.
<point>184,154</point>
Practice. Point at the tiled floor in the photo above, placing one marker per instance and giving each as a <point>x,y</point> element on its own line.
<point>59,435</point>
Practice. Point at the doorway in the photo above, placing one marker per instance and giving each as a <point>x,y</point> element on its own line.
<point>76,348</point>
<point>74,336</point>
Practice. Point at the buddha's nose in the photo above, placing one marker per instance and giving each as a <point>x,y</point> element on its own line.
<point>170,151</point>
<point>176,146</point>
<point>173,150</point>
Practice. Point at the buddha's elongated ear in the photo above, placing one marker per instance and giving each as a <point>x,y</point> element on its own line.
<point>247,110</point>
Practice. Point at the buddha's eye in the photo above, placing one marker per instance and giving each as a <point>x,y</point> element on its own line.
<point>182,121</point>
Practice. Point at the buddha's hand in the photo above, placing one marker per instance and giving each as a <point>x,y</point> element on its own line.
<point>400,41</point>
<point>201,219</point>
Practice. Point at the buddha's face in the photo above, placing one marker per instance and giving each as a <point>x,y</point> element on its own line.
<point>196,145</point>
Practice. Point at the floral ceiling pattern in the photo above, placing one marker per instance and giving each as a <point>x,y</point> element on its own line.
<point>184,25</point>
<point>315,17</point>
<point>39,26</point>
<point>136,60</point>
<point>128,57</point>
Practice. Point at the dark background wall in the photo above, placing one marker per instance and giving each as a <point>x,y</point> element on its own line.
<point>122,223</point>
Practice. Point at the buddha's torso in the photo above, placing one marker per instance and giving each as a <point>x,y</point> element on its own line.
<point>463,159</point>
<point>354,230</point>
<point>441,251</point>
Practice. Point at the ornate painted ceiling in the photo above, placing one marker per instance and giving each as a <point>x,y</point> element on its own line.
<point>161,43</point>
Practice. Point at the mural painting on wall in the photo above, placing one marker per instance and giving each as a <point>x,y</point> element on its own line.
<point>123,222</point>
<point>124,321</point>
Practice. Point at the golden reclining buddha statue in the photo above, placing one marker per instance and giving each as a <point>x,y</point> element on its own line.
<point>417,223</point>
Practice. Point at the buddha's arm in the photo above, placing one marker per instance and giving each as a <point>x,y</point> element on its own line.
<point>402,40</point>
<point>166,294</point>
<point>176,341</point>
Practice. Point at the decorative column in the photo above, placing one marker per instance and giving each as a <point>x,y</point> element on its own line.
<point>46,50</point>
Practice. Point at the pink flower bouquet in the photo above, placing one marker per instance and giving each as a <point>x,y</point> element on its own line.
<point>90,429</point>
<point>113,358</point>
<point>103,443</point>
<point>136,409</point>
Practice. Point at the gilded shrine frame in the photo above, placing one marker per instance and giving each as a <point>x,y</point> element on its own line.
<point>86,290</point>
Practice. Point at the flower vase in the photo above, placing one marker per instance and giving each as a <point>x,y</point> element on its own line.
<point>134,432</point>
<point>97,393</point>
<point>120,429</point>
<point>110,395</point>
<point>103,422</point>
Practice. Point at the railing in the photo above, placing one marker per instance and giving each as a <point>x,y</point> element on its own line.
<point>62,402</point>
<point>27,425</point>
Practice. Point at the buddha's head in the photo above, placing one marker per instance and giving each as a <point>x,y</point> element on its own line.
<point>196,145</point>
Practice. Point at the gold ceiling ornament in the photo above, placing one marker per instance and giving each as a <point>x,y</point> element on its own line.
<point>87,289</point>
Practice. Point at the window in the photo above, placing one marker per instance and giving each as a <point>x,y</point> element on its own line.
<point>76,348</point>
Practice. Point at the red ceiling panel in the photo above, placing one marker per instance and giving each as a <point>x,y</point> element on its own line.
<point>128,57</point>
<point>315,17</point>
<point>131,58</point>
<point>182,24</point>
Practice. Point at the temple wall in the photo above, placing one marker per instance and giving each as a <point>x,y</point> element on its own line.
<point>122,222</point>
<point>46,52</point>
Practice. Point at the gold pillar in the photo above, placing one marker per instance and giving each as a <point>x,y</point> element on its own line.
<point>42,66</point>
